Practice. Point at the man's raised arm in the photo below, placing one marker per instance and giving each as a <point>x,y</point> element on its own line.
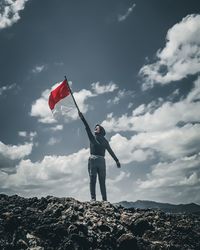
<point>88,130</point>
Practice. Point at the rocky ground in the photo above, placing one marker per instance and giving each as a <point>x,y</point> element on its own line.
<point>65,223</point>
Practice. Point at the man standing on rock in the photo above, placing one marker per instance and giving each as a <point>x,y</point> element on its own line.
<point>96,162</point>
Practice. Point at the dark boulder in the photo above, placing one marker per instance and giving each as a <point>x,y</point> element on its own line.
<point>140,226</point>
<point>127,242</point>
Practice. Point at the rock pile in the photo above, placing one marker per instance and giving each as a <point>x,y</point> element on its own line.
<point>65,223</point>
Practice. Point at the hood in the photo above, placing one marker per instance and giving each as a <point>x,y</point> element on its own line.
<point>102,130</point>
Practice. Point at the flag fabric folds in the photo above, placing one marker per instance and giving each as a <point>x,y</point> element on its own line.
<point>58,94</point>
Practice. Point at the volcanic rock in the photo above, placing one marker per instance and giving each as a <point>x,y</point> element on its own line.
<point>65,223</point>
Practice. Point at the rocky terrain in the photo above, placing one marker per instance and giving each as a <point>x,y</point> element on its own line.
<point>65,223</point>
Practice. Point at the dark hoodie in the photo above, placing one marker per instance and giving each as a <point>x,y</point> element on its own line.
<point>98,143</point>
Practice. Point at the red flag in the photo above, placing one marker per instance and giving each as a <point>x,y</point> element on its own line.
<point>58,94</point>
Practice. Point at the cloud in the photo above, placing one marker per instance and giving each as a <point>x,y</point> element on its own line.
<point>7,88</point>
<point>101,89</point>
<point>27,135</point>
<point>15,152</point>
<point>158,115</point>
<point>22,133</point>
<point>194,95</point>
<point>38,69</point>
<point>180,177</point>
<point>169,144</point>
<point>122,18</point>
<point>179,58</point>
<point>67,110</point>
<point>57,175</point>
<point>40,108</point>
<point>165,117</point>
<point>81,98</point>
<point>168,134</point>
<point>128,151</point>
<point>68,175</point>
<point>174,95</point>
<point>47,175</point>
<point>53,140</point>
<point>56,128</point>
<point>130,105</point>
<point>10,12</point>
<point>120,95</point>
<point>165,130</point>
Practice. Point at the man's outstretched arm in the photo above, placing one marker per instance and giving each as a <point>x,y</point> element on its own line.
<point>87,127</point>
<point>113,155</point>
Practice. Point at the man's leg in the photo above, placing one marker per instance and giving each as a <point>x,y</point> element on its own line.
<point>92,170</point>
<point>102,178</point>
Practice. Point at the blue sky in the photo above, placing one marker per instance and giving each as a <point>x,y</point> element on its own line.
<point>133,67</point>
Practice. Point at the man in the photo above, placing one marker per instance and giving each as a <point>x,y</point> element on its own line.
<point>96,162</point>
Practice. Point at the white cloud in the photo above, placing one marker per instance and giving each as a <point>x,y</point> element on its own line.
<point>168,133</point>
<point>139,110</point>
<point>56,128</point>
<point>119,177</point>
<point>120,95</point>
<point>179,58</point>
<point>41,109</point>
<point>165,117</point>
<point>130,105</point>
<point>53,140</point>
<point>165,129</point>
<point>27,135</point>
<point>180,177</point>
<point>22,133</point>
<point>32,135</point>
<point>169,144</point>
<point>172,143</point>
<point>48,174</point>
<point>101,89</point>
<point>65,109</point>
<point>81,98</point>
<point>59,176</point>
<point>38,69</point>
<point>191,180</point>
<point>10,12</point>
<point>194,95</point>
<point>174,95</point>
<point>128,12</point>
<point>7,88</point>
<point>68,175</point>
<point>128,151</point>
<point>153,117</point>
<point>15,152</point>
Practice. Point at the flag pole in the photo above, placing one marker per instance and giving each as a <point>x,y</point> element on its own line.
<point>72,95</point>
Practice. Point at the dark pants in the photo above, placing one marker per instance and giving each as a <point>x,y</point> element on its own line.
<point>97,166</point>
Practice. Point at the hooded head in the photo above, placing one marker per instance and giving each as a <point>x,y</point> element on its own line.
<point>99,130</point>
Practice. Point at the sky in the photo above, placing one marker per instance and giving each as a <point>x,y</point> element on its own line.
<point>134,67</point>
